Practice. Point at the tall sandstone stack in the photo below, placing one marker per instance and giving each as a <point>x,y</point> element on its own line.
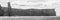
<point>9,8</point>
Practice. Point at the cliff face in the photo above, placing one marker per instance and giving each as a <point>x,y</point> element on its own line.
<point>31,12</point>
<point>34,12</point>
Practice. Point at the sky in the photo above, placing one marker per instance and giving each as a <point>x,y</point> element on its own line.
<point>4,2</point>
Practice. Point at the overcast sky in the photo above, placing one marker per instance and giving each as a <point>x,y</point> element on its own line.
<point>4,2</point>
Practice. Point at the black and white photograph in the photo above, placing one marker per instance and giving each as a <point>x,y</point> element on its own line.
<point>29,9</point>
